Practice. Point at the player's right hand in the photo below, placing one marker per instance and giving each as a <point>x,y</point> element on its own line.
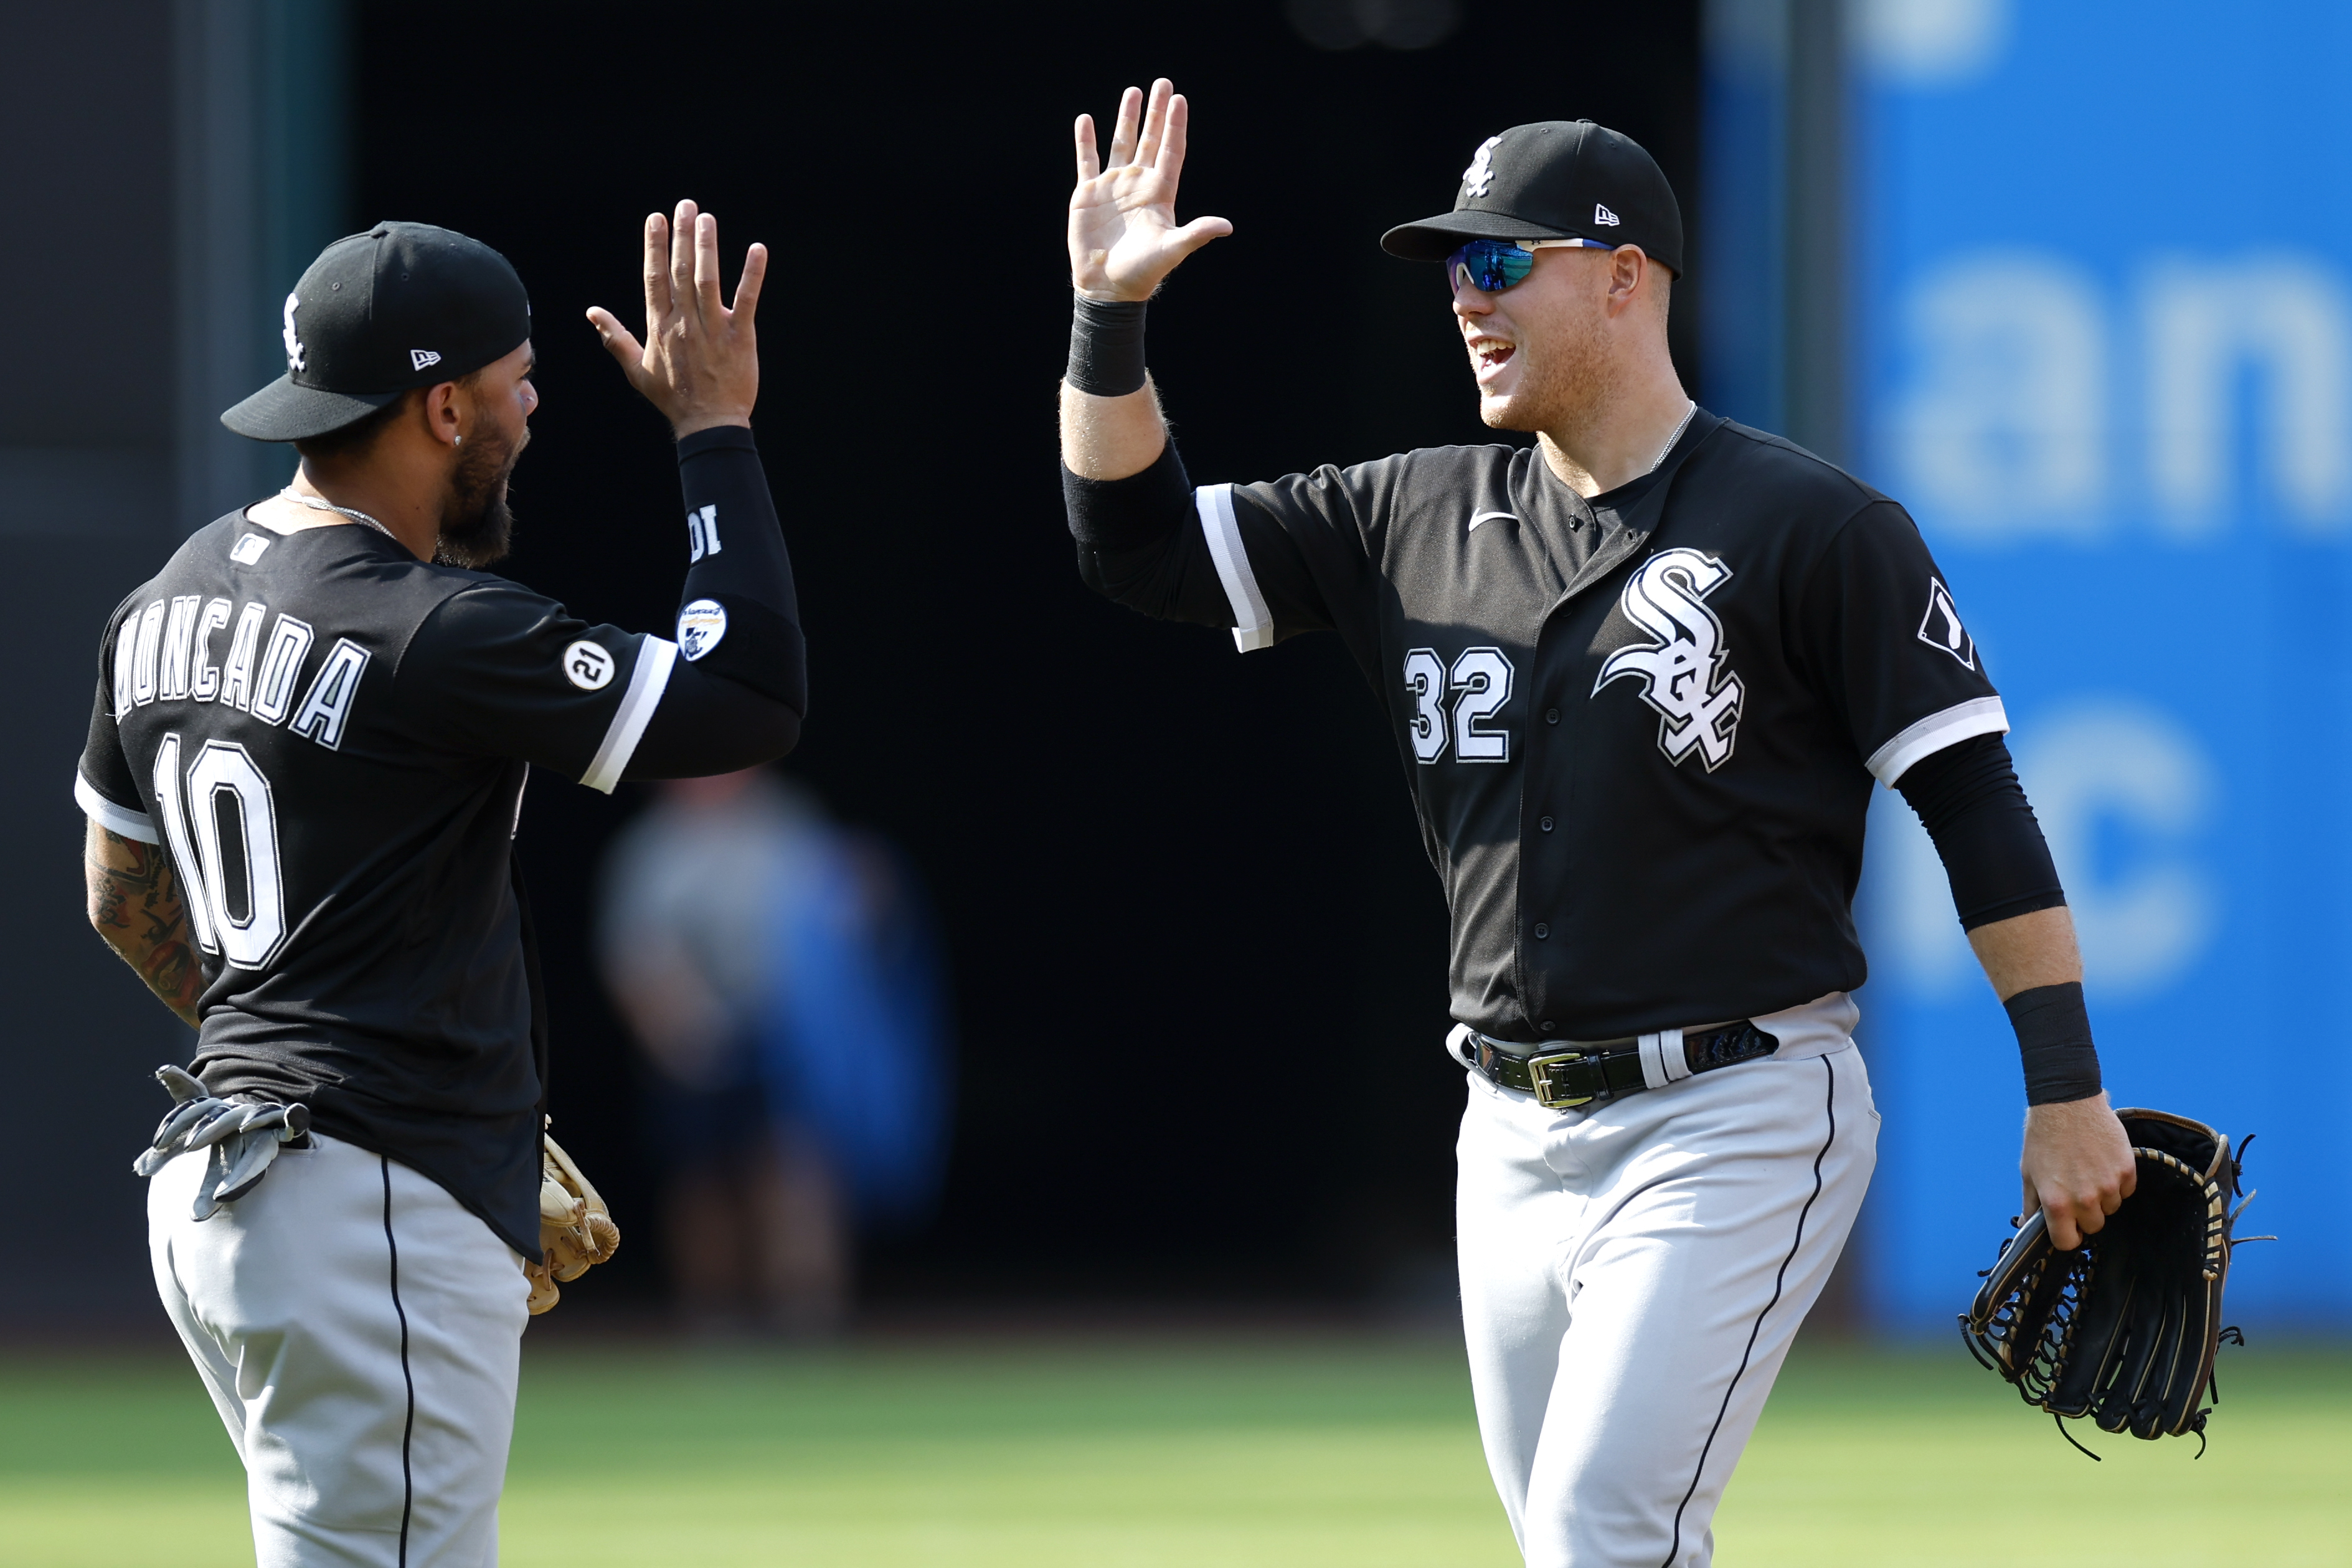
<point>1124,238</point>
<point>700,364</point>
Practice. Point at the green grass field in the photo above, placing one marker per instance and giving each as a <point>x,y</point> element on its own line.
<point>1136,1454</point>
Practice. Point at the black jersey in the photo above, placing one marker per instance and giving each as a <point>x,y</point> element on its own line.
<point>331,739</point>
<point>1640,731</point>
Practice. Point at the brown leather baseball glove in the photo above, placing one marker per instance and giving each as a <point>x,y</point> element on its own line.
<point>576,1230</point>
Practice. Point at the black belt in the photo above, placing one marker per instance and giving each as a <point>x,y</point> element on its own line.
<point>1594,1072</point>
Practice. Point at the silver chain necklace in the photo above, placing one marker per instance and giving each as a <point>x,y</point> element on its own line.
<point>315,504</point>
<point>1688,414</point>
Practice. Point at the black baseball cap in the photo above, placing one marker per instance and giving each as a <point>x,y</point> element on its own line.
<point>404,305</point>
<point>1556,179</point>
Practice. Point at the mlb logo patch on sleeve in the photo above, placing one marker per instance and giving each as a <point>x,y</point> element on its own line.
<point>700,625</point>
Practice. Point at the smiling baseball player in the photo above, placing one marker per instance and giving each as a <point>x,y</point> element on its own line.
<point>1642,676</point>
<point>304,773</point>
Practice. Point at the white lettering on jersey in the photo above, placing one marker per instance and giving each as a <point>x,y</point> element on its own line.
<point>1940,627</point>
<point>237,676</point>
<point>329,704</point>
<point>204,680</point>
<point>247,550</point>
<point>175,821</point>
<point>143,652</point>
<point>1685,673</point>
<point>1475,179</point>
<point>179,636</point>
<point>251,939</point>
<point>702,533</point>
<point>293,344</point>
<point>588,666</point>
<point>1482,678</point>
<point>700,625</point>
<point>273,688</point>
<point>1424,679</point>
<point>126,642</point>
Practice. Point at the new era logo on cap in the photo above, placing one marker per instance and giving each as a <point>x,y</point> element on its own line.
<point>419,358</point>
<point>1601,214</point>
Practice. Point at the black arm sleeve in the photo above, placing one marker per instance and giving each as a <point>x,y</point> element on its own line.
<point>1968,800</point>
<point>739,699</point>
<point>1139,543</point>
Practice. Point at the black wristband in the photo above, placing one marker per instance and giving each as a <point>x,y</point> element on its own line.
<point>2054,1035</point>
<point>1106,346</point>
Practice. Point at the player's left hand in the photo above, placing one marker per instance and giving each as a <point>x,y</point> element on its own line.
<point>2077,1165</point>
<point>700,364</point>
<point>1124,238</point>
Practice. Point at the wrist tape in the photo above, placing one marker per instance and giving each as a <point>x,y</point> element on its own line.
<point>2054,1035</point>
<point>1106,346</point>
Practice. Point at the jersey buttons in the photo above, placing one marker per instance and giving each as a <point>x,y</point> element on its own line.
<point>1542,930</point>
<point>1551,715</point>
<point>1544,823</point>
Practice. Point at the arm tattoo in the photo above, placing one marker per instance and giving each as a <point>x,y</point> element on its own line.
<point>135,902</point>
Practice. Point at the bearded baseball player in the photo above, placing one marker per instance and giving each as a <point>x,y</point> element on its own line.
<point>303,776</point>
<point>1642,676</point>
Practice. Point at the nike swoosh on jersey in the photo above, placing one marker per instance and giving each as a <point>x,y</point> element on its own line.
<point>1478,517</point>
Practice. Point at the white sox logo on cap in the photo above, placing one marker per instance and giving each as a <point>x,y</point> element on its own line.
<point>1481,172</point>
<point>293,343</point>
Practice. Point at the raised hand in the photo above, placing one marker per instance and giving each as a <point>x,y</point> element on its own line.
<point>1124,238</point>
<point>700,364</point>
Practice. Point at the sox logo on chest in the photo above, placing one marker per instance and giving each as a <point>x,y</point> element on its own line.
<point>1686,671</point>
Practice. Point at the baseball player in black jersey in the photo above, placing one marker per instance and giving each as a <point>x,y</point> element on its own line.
<point>1642,676</point>
<point>304,773</point>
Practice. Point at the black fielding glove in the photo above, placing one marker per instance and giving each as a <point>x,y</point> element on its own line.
<point>2124,1328</point>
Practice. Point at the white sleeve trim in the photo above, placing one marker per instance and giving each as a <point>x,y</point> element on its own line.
<point>1253,622</point>
<point>114,819</point>
<point>1977,716</point>
<point>647,680</point>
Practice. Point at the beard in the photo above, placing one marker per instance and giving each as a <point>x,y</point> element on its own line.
<point>477,527</point>
<point>1565,387</point>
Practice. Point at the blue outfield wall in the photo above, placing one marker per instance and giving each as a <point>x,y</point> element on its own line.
<point>2104,354</point>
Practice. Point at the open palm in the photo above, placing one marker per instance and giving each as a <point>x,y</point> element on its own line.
<point>1124,238</point>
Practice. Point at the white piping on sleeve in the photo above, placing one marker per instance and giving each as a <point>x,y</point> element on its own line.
<point>647,681</point>
<point>1977,716</point>
<point>114,819</point>
<point>1253,622</point>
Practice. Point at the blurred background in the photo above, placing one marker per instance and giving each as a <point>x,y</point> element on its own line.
<point>2075,283</point>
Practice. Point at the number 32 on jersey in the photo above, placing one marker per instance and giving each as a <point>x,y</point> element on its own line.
<point>1479,683</point>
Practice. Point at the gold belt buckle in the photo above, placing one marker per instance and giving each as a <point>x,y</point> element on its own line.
<point>1539,1074</point>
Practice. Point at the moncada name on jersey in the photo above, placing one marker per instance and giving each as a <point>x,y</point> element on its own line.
<point>166,652</point>
<point>1685,672</point>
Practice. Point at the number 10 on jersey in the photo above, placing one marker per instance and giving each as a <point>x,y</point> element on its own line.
<point>1481,683</point>
<point>224,790</point>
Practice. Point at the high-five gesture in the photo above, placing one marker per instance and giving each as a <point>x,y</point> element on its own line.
<point>1124,238</point>
<point>700,364</point>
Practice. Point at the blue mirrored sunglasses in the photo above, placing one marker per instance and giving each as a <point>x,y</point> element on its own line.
<point>1491,266</point>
